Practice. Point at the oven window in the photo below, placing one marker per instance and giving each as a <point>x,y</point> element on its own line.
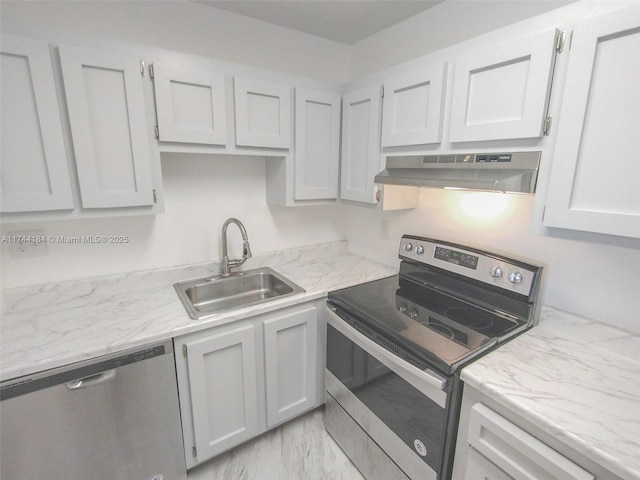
<point>409,413</point>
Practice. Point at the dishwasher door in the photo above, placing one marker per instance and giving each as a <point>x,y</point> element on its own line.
<point>115,417</point>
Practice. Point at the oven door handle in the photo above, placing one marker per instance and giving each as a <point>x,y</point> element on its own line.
<point>426,381</point>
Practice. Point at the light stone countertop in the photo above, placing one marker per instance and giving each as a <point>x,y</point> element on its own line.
<point>57,324</point>
<point>576,379</point>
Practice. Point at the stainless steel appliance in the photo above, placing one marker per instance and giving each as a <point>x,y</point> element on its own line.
<point>114,417</point>
<point>514,172</point>
<point>395,348</point>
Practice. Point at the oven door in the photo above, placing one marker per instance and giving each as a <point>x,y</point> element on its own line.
<point>402,408</point>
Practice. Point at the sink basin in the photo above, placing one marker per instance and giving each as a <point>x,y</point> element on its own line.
<point>210,295</point>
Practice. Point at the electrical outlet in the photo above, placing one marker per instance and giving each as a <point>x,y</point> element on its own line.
<point>26,244</point>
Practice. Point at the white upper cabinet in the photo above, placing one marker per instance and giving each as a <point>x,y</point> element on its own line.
<point>33,166</point>
<point>263,113</point>
<point>190,105</point>
<point>109,128</point>
<point>595,178</point>
<point>317,144</point>
<point>502,92</point>
<point>413,107</point>
<point>360,144</point>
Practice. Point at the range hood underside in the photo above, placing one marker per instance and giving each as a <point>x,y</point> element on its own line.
<point>517,173</point>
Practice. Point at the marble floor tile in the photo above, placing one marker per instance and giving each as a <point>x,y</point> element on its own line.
<point>299,450</point>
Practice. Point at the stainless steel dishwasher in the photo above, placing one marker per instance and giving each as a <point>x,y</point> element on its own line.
<point>114,417</point>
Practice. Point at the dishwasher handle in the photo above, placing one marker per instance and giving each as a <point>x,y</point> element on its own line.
<point>92,380</point>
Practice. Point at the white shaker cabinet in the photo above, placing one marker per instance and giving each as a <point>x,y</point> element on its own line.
<point>33,166</point>
<point>595,176</point>
<point>105,100</point>
<point>317,144</point>
<point>239,380</point>
<point>222,391</point>
<point>413,106</point>
<point>502,92</point>
<point>361,118</point>
<point>263,113</point>
<point>495,443</point>
<point>190,105</point>
<point>290,350</point>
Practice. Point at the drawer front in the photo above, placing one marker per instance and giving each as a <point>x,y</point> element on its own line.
<point>516,452</point>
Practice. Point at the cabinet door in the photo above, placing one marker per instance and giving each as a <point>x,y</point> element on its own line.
<point>108,125</point>
<point>413,107</point>
<point>290,344</point>
<point>595,176</point>
<point>360,144</point>
<point>503,92</point>
<point>34,170</point>
<point>223,388</point>
<point>191,106</point>
<point>263,114</point>
<point>317,144</point>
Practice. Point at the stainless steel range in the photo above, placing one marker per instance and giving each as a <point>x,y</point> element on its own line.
<point>395,348</point>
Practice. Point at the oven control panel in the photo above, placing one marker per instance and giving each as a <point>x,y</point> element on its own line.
<point>486,267</point>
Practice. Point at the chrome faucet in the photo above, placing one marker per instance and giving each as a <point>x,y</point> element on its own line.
<point>227,264</point>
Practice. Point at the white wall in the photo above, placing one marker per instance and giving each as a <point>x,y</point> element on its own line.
<point>447,23</point>
<point>201,192</point>
<point>188,27</point>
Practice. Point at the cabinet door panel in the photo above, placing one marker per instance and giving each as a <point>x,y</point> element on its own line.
<point>263,114</point>
<point>317,144</point>
<point>107,115</point>
<point>413,107</point>
<point>290,343</point>
<point>503,92</point>
<point>595,175</point>
<point>34,169</point>
<point>191,106</point>
<point>223,385</point>
<point>360,144</point>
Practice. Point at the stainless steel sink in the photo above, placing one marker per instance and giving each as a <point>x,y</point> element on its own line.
<point>207,296</point>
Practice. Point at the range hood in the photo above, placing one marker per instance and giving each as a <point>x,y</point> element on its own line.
<point>502,172</point>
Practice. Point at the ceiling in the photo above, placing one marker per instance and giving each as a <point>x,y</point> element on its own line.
<point>344,21</point>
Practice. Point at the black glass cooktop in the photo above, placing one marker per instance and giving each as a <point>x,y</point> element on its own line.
<point>435,326</point>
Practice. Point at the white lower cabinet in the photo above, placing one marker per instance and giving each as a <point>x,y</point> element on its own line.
<point>241,379</point>
<point>495,443</point>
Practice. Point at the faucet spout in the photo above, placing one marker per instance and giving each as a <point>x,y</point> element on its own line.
<point>228,264</point>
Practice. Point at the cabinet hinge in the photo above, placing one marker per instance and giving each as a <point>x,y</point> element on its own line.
<point>194,452</point>
<point>142,67</point>
<point>156,132</point>
<point>184,350</point>
<point>560,41</point>
<point>155,196</point>
<point>378,195</point>
<point>382,91</point>
<point>151,72</point>
<point>547,126</point>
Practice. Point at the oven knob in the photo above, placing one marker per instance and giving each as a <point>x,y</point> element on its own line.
<point>419,249</point>
<point>408,247</point>
<point>402,308</point>
<point>413,313</point>
<point>495,272</point>
<point>515,277</point>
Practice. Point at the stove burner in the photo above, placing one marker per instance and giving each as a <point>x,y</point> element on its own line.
<point>441,329</point>
<point>469,317</point>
